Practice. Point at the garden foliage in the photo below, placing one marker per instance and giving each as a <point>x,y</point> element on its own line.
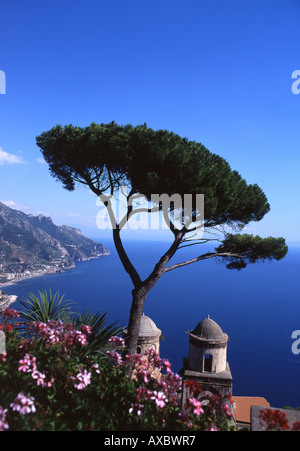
<point>48,382</point>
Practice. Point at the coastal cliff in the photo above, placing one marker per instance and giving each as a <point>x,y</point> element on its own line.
<point>33,245</point>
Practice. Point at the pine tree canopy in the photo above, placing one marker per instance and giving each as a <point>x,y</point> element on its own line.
<point>107,156</point>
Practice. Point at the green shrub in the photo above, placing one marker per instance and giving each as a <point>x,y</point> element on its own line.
<point>48,382</point>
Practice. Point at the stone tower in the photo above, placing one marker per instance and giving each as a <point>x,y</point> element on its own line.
<point>207,361</point>
<point>149,335</point>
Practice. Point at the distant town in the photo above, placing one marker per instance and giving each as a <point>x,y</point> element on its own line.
<point>32,246</point>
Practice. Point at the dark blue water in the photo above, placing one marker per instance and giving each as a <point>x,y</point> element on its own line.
<point>258,307</point>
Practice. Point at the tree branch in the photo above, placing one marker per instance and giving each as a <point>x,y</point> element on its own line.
<point>203,241</point>
<point>203,257</point>
<point>159,268</point>
<point>128,266</point>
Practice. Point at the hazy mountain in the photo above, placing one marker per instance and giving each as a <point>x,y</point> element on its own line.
<point>30,244</point>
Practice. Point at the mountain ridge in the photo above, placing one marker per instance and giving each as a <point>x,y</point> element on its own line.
<point>33,245</point>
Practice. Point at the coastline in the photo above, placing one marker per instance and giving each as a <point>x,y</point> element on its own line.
<point>7,300</point>
<point>32,275</point>
<point>45,272</point>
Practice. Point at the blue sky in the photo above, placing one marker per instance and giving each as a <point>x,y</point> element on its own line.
<point>215,71</point>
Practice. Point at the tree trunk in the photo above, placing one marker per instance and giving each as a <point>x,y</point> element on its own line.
<point>140,293</point>
<point>136,311</point>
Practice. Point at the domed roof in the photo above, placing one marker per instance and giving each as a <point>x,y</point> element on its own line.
<point>208,330</point>
<point>148,327</point>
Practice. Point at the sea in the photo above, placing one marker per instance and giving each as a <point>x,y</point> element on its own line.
<point>258,307</point>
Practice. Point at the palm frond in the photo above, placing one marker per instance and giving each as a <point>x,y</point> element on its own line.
<point>45,307</point>
<point>100,332</point>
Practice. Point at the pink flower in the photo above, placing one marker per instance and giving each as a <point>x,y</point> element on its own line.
<point>153,357</point>
<point>145,375</point>
<point>227,409</point>
<point>160,399</point>
<point>171,385</point>
<point>82,380</point>
<point>49,383</point>
<point>143,393</point>
<point>197,406</point>
<point>3,357</point>
<point>117,341</point>
<point>166,365</point>
<point>3,424</point>
<point>86,329</point>
<point>136,360</point>
<point>23,404</point>
<point>9,313</point>
<point>96,367</point>
<point>139,407</point>
<point>212,428</point>
<point>115,357</point>
<point>80,338</point>
<point>39,378</point>
<point>26,363</point>
<point>23,366</point>
<point>58,332</point>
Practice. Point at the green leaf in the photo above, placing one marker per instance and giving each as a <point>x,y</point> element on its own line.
<point>45,307</point>
<point>247,249</point>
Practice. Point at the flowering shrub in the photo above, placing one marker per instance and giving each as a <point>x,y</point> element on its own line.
<point>276,420</point>
<point>48,383</point>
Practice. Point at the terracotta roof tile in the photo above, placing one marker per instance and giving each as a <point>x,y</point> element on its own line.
<point>243,405</point>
